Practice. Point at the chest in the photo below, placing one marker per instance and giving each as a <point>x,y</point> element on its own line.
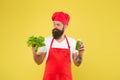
<point>62,44</point>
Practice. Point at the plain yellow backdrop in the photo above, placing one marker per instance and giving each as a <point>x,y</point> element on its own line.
<point>96,22</point>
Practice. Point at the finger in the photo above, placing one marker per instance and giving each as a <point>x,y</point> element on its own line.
<point>82,49</point>
<point>81,45</point>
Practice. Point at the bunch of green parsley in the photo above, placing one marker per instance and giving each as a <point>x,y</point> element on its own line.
<point>36,42</point>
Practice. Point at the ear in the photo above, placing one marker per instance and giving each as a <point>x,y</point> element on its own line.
<point>65,26</point>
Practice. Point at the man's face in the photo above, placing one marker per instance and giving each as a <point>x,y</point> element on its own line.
<point>58,29</point>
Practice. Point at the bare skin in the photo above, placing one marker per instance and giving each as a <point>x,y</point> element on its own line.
<point>38,56</point>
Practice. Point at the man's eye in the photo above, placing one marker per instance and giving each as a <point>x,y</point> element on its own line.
<point>58,24</point>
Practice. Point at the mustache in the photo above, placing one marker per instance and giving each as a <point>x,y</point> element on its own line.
<point>56,30</point>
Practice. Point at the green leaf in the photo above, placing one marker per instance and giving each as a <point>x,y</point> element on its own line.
<point>36,41</point>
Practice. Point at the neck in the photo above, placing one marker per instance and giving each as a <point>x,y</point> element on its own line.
<point>61,38</point>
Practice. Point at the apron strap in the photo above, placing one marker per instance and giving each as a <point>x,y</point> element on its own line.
<point>51,43</point>
<point>67,42</point>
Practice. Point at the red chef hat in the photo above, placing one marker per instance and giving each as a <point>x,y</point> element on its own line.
<point>61,16</point>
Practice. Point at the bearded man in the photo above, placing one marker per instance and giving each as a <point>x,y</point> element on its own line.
<point>59,50</point>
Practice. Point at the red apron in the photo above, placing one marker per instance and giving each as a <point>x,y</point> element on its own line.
<point>58,64</point>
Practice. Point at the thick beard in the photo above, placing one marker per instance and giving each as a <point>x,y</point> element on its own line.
<point>57,33</point>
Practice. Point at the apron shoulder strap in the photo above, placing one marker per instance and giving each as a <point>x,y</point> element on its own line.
<point>67,42</point>
<point>51,42</point>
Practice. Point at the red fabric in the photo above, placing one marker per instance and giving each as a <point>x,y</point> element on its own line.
<point>61,16</point>
<point>58,65</point>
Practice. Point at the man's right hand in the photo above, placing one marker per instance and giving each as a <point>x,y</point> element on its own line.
<point>38,56</point>
<point>33,50</point>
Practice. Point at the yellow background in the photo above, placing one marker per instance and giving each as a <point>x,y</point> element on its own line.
<point>96,22</point>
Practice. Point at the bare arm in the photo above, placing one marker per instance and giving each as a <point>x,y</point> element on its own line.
<point>38,57</point>
<point>77,57</point>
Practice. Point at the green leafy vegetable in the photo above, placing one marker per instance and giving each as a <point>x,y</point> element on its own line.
<point>78,45</point>
<point>36,42</point>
